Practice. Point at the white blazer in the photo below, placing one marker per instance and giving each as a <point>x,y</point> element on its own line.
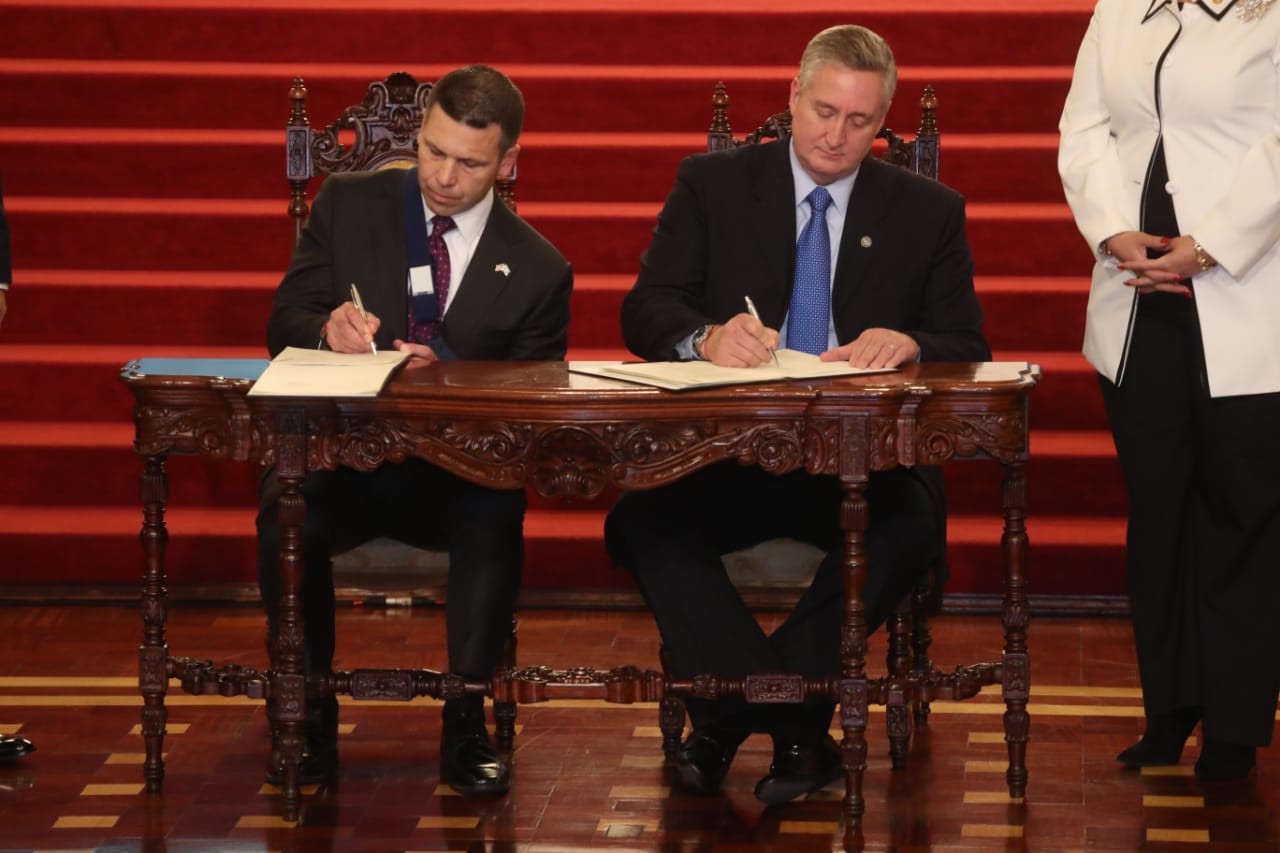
<point>1209,82</point>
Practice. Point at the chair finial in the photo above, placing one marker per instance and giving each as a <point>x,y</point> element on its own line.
<point>719,135</point>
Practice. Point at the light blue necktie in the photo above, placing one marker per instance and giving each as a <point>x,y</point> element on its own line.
<point>810,312</point>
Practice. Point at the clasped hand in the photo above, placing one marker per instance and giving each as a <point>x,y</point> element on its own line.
<point>745,342</point>
<point>1168,273</point>
<point>347,331</point>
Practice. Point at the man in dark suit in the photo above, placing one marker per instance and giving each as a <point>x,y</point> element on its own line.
<point>445,270</point>
<point>844,256</point>
<point>11,746</point>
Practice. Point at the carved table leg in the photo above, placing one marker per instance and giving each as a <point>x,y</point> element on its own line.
<point>854,456</point>
<point>898,663</point>
<point>504,712</point>
<point>287,705</point>
<point>921,641</point>
<point>670,713</point>
<point>153,654</point>
<point>1016,663</point>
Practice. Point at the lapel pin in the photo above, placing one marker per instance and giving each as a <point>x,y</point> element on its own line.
<point>865,242</point>
<point>502,268</point>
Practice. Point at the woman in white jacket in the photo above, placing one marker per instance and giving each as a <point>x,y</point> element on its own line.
<point>1170,160</point>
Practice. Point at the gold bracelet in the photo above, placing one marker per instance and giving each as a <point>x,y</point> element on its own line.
<point>1202,257</point>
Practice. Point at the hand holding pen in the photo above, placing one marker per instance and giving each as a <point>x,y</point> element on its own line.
<point>359,303</point>
<point>751,309</point>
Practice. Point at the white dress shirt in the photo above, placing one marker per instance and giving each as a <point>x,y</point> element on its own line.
<point>461,242</point>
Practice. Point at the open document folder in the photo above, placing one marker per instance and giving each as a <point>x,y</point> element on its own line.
<point>683,375</point>
<point>320,373</point>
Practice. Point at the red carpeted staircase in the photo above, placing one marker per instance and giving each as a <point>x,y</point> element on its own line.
<point>142,159</point>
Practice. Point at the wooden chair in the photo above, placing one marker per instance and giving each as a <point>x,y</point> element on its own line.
<point>909,636</point>
<point>381,132</point>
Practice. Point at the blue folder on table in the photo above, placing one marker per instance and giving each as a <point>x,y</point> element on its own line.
<point>225,368</point>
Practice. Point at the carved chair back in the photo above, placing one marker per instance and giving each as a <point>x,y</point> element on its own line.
<point>383,133</point>
<point>920,155</point>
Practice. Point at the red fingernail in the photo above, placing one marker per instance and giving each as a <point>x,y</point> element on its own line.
<point>1164,240</point>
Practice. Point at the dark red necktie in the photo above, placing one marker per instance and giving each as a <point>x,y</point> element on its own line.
<point>425,332</point>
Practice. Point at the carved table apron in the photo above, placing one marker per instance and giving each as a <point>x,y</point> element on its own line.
<point>515,424</point>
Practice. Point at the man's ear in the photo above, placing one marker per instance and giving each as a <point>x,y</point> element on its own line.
<point>507,167</point>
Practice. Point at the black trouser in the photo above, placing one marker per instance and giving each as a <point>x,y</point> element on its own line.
<point>672,538</point>
<point>1203,557</point>
<point>420,504</point>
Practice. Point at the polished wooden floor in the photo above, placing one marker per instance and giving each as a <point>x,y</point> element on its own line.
<point>587,775</point>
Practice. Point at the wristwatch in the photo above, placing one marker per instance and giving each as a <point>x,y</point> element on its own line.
<point>699,338</point>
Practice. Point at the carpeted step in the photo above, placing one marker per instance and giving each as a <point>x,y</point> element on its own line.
<point>253,234</point>
<point>1070,473</point>
<point>459,33</point>
<point>593,167</point>
<point>570,98</point>
<point>88,388</point>
<point>230,309</point>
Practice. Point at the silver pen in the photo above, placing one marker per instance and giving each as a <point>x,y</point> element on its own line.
<point>356,301</point>
<point>751,309</point>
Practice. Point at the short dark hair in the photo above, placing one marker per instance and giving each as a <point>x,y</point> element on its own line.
<point>479,96</point>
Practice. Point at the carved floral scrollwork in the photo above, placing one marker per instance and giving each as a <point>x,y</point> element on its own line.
<point>1000,435</point>
<point>570,463</point>
<point>186,430</point>
<point>648,443</point>
<point>821,447</point>
<point>492,443</point>
<point>385,122</point>
<point>774,447</point>
<point>363,446</point>
<point>884,444</point>
<point>774,688</point>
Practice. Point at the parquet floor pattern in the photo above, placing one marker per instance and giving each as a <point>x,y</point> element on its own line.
<point>587,775</point>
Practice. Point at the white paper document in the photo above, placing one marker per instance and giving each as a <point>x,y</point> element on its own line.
<point>683,375</point>
<point>299,372</point>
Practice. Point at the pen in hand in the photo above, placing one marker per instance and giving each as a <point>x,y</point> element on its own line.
<point>356,301</point>
<point>751,309</point>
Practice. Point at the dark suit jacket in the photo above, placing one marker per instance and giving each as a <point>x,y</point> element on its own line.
<point>728,231</point>
<point>355,235</point>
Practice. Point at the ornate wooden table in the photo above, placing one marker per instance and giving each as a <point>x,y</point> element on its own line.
<point>535,424</point>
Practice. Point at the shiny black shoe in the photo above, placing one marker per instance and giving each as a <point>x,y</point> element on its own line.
<point>13,747</point>
<point>471,765</point>
<point>1161,744</point>
<point>1221,761</point>
<point>703,760</point>
<point>799,769</point>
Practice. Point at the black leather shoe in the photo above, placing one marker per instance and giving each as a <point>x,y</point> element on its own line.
<point>471,765</point>
<point>1220,761</point>
<point>1162,742</point>
<point>799,769</point>
<point>703,760</point>
<point>12,747</point>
